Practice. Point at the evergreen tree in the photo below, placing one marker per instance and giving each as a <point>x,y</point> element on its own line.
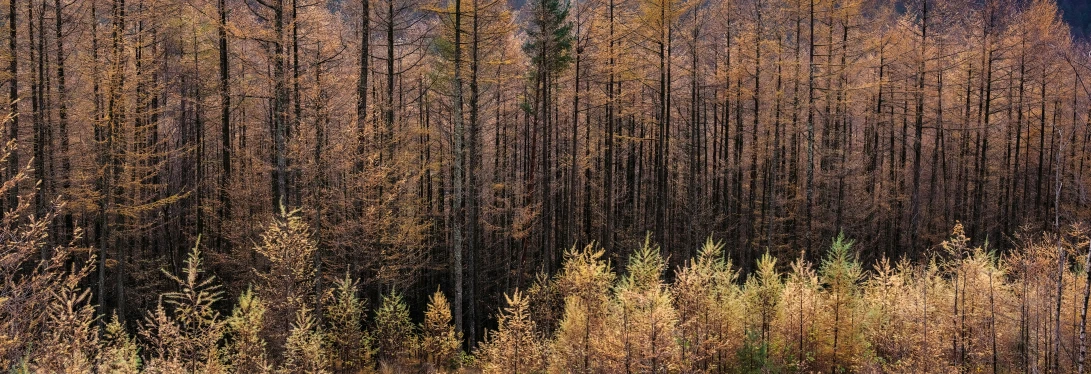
<point>647,314</point>
<point>802,290</point>
<point>246,348</point>
<point>841,274</point>
<point>287,285</point>
<point>118,352</point>
<point>585,282</point>
<point>763,293</point>
<point>71,338</point>
<point>200,326</point>
<point>304,350</point>
<point>439,340</point>
<point>515,347</point>
<point>549,36</point>
<point>349,345</point>
<point>707,298</point>
<point>393,330</point>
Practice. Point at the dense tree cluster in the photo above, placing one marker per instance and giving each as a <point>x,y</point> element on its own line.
<point>445,152</point>
<point>964,309</point>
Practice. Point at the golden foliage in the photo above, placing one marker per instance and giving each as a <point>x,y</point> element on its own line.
<point>965,309</point>
<point>348,345</point>
<point>584,282</point>
<point>246,348</point>
<point>304,351</point>
<point>515,347</point>
<point>287,285</point>
<point>118,352</point>
<point>439,341</point>
<point>40,297</point>
<point>393,329</point>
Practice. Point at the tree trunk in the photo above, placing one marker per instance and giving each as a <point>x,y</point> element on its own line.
<point>473,228</point>
<point>1083,312</point>
<point>810,132</point>
<point>361,85</point>
<point>280,113</point>
<point>13,100</point>
<point>114,115</point>
<point>225,121</point>
<point>459,157</point>
<point>918,122</point>
<point>297,106</point>
<point>608,146</point>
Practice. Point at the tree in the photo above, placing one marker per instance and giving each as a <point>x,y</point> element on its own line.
<point>349,347</point>
<point>706,295</point>
<point>439,340</point>
<point>646,312</point>
<point>763,293</point>
<point>13,98</point>
<point>279,117</point>
<point>515,346</point>
<point>72,337</point>
<point>303,349</point>
<point>245,350</point>
<point>584,282</point>
<point>394,332</point>
<point>549,44</point>
<point>225,116</point>
<point>840,273</point>
<point>118,352</point>
<point>288,284</point>
<point>39,281</point>
<point>197,321</point>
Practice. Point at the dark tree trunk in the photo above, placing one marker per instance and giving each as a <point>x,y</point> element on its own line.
<point>225,121</point>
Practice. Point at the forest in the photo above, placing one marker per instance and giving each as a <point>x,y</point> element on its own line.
<point>592,186</point>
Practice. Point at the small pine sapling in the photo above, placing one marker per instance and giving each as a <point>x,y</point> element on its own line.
<point>439,340</point>
<point>841,274</point>
<point>199,323</point>
<point>585,282</point>
<point>647,311</point>
<point>515,347</point>
<point>246,347</point>
<point>118,353</point>
<point>288,283</point>
<point>393,330</point>
<point>304,350</point>
<point>348,344</point>
<point>71,336</point>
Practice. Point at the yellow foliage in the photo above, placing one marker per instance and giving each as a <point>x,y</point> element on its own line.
<point>439,341</point>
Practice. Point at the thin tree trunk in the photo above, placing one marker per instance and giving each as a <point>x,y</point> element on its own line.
<point>361,85</point>
<point>100,141</point>
<point>918,122</point>
<point>608,140</point>
<point>114,115</point>
<point>280,113</point>
<point>1083,312</point>
<point>456,224</point>
<point>473,166</point>
<point>1062,258</point>
<point>810,132</point>
<point>40,141</point>
<point>13,99</point>
<point>225,121</point>
<point>297,112</point>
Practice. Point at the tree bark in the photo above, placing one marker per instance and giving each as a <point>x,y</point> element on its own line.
<point>459,158</point>
<point>362,85</point>
<point>13,99</point>
<point>1083,312</point>
<point>473,228</point>
<point>225,120</point>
